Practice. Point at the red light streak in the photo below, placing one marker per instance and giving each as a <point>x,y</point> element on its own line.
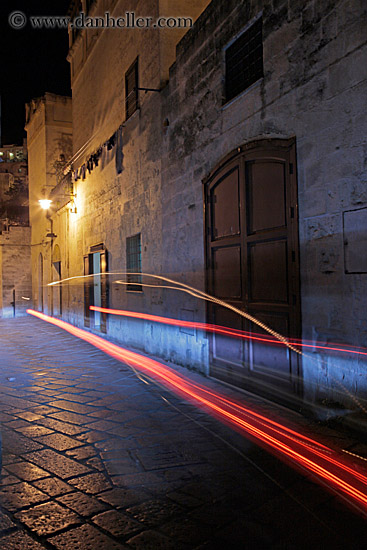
<point>217,329</point>
<point>300,450</point>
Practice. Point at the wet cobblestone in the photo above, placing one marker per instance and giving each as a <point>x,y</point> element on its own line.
<point>20,495</point>
<point>92,483</point>
<point>84,505</point>
<point>151,540</point>
<point>117,524</point>
<point>56,463</point>
<point>20,541</point>
<point>27,471</point>
<point>122,498</point>
<point>47,518</point>
<point>93,459</point>
<point>53,486</point>
<point>85,537</point>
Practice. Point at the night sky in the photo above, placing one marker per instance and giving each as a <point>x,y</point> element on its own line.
<point>32,62</point>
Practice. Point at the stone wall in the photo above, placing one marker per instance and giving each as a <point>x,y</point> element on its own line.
<point>15,271</point>
<point>49,131</point>
<point>314,88</point>
<point>111,206</point>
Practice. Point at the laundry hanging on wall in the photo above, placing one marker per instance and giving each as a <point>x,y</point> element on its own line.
<point>119,157</point>
<point>114,141</point>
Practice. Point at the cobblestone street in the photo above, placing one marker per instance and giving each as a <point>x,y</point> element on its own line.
<point>94,457</point>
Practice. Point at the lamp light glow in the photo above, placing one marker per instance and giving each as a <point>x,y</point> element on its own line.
<point>45,203</point>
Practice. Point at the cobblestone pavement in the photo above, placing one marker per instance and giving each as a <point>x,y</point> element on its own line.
<point>94,458</point>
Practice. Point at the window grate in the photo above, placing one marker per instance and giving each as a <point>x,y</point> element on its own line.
<point>133,263</point>
<point>244,61</point>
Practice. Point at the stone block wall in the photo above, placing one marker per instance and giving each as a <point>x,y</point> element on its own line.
<point>112,207</point>
<point>314,88</point>
<point>15,271</point>
<point>49,131</point>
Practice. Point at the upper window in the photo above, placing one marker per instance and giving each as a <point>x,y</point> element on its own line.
<point>133,262</point>
<point>244,61</point>
<point>131,89</point>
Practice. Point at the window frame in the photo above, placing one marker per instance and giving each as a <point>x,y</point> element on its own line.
<point>133,263</point>
<point>228,98</point>
<point>134,68</point>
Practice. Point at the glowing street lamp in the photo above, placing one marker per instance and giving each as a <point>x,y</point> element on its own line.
<point>45,203</point>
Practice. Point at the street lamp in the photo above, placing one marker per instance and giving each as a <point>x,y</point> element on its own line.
<point>45,203</point>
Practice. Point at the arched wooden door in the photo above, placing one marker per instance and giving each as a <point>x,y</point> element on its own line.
<point>252,263</point>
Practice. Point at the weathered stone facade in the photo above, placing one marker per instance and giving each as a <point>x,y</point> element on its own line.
<point>314,88</point>
<point>15,271</point>
<point>312,91</point>
<point>15,234</point>
<point>14,184</point>
<point>49,130</point>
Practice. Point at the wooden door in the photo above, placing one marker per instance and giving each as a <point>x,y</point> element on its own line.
<point>252,264</point>
<point>96,288</point>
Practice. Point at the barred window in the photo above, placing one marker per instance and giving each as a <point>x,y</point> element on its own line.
<point>133,262</point>
<point>131,89</point>
<point>244,61</point>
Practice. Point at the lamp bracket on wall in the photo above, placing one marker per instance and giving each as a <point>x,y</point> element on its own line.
<point>148,89</point>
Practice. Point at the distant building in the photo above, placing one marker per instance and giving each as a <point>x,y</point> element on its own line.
<point>228,157</point>
<point>49,131</point>
<point>15,271</point>
<point>14,184</point>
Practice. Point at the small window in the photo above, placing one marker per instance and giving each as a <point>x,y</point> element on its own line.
<point>244,61</point>
<point>131,89</point>
<point>133,263</point>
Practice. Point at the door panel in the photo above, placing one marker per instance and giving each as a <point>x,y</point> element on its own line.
<point>266,195</point>
<point>104,289</point>
<point>40,282</point>
<point>252,261</point>
<point>268,281</point>
<point>96,259</point>
<point>96,289</point>
<point>57,289</point>
<point>225,211</point>
<point>227,350</point>
<point>270,359</point>
<point>88,299</point>
<point>227,272</point>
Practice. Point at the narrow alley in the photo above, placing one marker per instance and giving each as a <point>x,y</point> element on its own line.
<point>96,456</point>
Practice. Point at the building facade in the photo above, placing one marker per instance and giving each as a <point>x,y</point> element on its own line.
<point>49,131</point>
<point>230,158</point>
<point>15,234</point>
